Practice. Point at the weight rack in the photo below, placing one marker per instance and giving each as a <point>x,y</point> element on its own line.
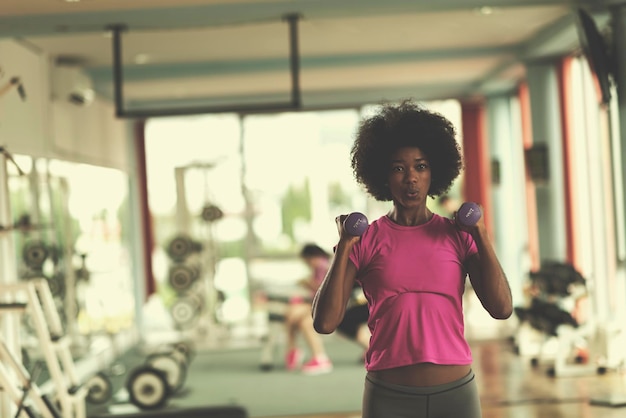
<point>35,297</point>
<point>28,394</point>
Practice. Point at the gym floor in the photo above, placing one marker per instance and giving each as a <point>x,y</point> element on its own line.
<point>510,384</point>
<point>512,388</point>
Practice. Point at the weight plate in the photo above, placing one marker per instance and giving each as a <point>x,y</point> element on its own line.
<point>211,213</point>
<point>34,253</point>
<point>180,247</point>
<point>175,371</point>
<point>181,277</point>
<point>100,389</point>
<point>147,388</point>
<point>184,311</point>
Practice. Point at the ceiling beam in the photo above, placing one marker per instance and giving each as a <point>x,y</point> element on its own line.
<point>250,66</point>
<point>311,100</point>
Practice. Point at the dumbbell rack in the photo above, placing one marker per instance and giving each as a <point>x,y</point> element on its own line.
<point>38,302</point>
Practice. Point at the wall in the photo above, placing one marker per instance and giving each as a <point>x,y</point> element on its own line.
<point>23,123</point>
<point>88,134</point>
<point>43,126</point>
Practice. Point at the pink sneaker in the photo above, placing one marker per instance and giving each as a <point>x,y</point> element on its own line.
<point>293,359</point>
<point>317,365</point>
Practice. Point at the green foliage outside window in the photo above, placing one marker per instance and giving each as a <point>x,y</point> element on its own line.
<point>296,204</point>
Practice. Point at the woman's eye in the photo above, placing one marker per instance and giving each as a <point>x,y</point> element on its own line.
<point>397,168</point>
<point>422,166</point>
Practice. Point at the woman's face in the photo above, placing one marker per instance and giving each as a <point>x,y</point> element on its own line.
<point>409,177</point>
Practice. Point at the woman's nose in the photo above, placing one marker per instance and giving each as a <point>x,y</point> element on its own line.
<point>411,176</point>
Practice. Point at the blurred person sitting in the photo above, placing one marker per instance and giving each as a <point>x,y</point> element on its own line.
<point>298,317</point>
<point>354,324</point>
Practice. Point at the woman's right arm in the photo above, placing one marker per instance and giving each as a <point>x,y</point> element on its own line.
<point>331,299</point>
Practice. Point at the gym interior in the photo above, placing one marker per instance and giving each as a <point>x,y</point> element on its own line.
<point>163,162</point>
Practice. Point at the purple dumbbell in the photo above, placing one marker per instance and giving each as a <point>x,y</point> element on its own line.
<point>355,224</point>
<point>469,213</point>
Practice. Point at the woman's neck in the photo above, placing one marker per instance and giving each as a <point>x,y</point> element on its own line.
<point>410,218</point>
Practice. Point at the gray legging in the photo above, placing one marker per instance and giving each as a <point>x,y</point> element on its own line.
<point>458,399</point>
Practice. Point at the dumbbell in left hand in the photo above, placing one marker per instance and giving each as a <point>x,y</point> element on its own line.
<point>468,214</point>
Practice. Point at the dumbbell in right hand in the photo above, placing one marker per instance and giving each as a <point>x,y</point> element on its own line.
<point>355,224</point>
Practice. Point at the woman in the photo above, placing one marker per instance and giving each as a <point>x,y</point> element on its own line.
<point>412,265</point>
<point>298,317</point>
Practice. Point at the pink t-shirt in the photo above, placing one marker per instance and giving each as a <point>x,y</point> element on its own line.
<point>413,278</point>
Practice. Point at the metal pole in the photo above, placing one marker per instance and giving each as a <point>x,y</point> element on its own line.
<point>118,73</point>
<point>294,56</point>
<point>8,269</point>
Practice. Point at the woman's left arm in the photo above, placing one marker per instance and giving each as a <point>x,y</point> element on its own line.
<point>487,277</point>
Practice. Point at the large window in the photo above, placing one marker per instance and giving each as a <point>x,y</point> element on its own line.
<point>75,238</point>
<point>279,181</point>
<point>598,194</point>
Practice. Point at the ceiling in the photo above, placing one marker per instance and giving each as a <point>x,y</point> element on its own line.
<point>197,56</point>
